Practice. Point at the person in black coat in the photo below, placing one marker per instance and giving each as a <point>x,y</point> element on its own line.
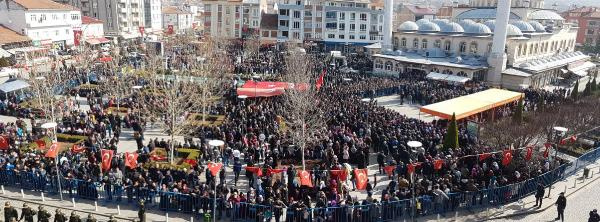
<point>594,217</point>
<point>10,212</point>
<point>539,195</point>
<point>381,161</point>
<point>561,204</point>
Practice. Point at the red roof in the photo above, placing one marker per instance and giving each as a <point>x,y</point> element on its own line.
<point>90,20</point>
<point>418,10</point>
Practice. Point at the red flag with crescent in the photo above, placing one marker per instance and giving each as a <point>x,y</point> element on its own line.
<point>361,178</point>
<point>305,178</point>
<point>170,30</point>
<point>107,156</point>
<point>274,171</point>
<point>484,156</point>
<point>563,141</point>
<point>41,144</point>
<point>389,170</point>
<point>3,143</point>
<point>321,79</point>
<point>191,162</point>
<point>529,153</point>
<point>53,151</point>
<point>437,164</point>
<point>255,170</point>
<point>214,168</point>
<point>547,150</point>
<point>410,168</point>
<point>131,160</point>
<point>506,157</point>
<point>341,175</point>
<point>77,37</point>
<point>77,148</point>
<point>573,138</point>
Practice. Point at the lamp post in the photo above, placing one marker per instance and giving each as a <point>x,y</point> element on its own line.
<point>215,143</point>
<point>558,132</point>
<point>47,126</point>
<point>413,145</point>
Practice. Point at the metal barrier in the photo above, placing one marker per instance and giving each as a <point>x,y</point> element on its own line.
<point>383,211</point>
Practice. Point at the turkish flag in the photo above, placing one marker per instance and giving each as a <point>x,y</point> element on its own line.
<point>547,151</point>
<point>305,178</point>
<point>3,143</point>
<point>131,160</point>
<point>573,138</point>
<point>214,168</point>
<point>529,153</point>
<point>255,170</point>
<point>563,142</point>
<point>142,30</point>
<point>321,79</point>
<point>41,144</point>
<point>274,171</point>
<point>158,158</point>
<point>77,148</point>
<point>170,29</point>
<point>341,175</point>
<point>506,157</point>
<point>361,178</point>
<point>410,168</point>
<point>77,37</point>
<point>107,156</point>
<point>437,164</point>
<point>191,162</point>
<point>484,156</point>
<point>389,170</point>
<point>53,151</point>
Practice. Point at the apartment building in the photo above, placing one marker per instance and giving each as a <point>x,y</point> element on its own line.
<point>337,24</point>
<point>233,18</point>
<point>47,23</point>
<point>181,20</point>
<point>588,19</point>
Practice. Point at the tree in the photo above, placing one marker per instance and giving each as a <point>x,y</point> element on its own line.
<point>303,113</point>
<point>594,86</point>
<point>588,89</point>
<point>451,137</point>
<point>4,62</point>
<point>518,115</point>
<point>575,91</point>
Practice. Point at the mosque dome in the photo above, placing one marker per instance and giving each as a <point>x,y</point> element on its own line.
<point>408,26</point>
<point>490,24</point>
<point>512,30</point>
<point>428,27</point>
<point>477,29</point>
<point>537,26</point>
<point>523,26</point>
<point>452,27</point>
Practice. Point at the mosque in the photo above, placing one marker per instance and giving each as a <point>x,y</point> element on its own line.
<point>539,48</point>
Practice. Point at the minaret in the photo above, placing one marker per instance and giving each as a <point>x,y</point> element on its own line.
<point>388,16</point>
<point>497,59</point>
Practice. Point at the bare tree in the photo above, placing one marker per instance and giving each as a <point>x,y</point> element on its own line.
<point>303,114</point>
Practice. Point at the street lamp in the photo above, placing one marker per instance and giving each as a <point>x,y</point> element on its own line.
<point>413,146</point>
<point>215,143</point>
<point>47,126</point>
<point>558,132</point>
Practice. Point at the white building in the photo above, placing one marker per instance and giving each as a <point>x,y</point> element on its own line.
<point>539,48</point>
<point>91,27</point>
<point>233,18</point>
<point>337,24</point>
<point>153,16</point>
<point>179,19</point>
<point>46,22</point>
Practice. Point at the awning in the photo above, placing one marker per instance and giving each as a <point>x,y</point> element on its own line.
<point>96,41</point>
<point>472,104</point>
<point>582,70</point>
<point>13,86</point>
<point>447,78</point>
<point>267,89</point>
<point>26,49</point>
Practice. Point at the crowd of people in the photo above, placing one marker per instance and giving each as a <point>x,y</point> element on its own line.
<point>354,130</point>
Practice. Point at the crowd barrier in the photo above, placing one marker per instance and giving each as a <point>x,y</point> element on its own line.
<point>383,211</point>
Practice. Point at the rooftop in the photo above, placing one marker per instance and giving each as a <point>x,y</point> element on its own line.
<point>90,20</point>
<point>269,21</point>
<point>418,10</point>
<point>43,4</point>
<point>8,36</point>
<point>174,10</point>
<point>415,57</point>
<point>557,60</point>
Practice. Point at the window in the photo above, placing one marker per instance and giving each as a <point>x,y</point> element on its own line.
<point>297,14</point>
<point>285,34</point>
<point>307,35</point>
<point>283,23</point>
<point>403,43</point>
<point>66,32</point>
<point>352,16</point>
<point>74,16</point>
<point>462,47</point>
<point>590,32</point>
<point>43,17</point>
<point>352,27</point>
<point>416,43</point>
<point>473,48</point>
<point>307,13</point>
<point>352,37</point>
<point>341,37</point>
<point>592,23</point>
<point>331,36</point>
<point>296,35</point>
<point>363,27</point>
<point>424,44</point>
<point>342,26</point>
<point>331,25</point>
<point>54,17</point>
<point>363,37</point>
<point>331,15</point>
<point>283,12</point>
<point>437,44</point>
<point>296,25</point>
<point>56,33</point>
<point>33,18</point>
<point>363,17</point>
<point>489,48</point>
<point>308,25</point>
<point>447,46</point>
<point>342,16</point>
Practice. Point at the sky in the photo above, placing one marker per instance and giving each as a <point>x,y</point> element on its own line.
<point>564,4</point>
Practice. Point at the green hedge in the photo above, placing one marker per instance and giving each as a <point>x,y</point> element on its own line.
<point>68,138</point>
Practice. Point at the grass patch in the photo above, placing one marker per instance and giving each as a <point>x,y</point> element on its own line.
<point>178,164</point>
<point>210,120</point>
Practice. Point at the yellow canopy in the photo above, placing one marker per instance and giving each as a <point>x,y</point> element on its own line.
<point>469,105</point>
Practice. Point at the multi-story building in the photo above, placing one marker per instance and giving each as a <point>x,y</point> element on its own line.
<point>336,24</point>
<point>152,16</point>
<point>179,19</point>
<point>46,22</point>
<point>539,47</point>
<point>233,18</point>
<point>92,31</point>
<point>409,12</point>
<point>122,18</point>
<point>588,19</point>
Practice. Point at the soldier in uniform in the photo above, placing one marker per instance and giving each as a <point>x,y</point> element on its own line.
<point>27,213</point>
<point>90,218</point>
<point>74,217</point>
<point>10,212</point>
<point>43,215</point>
<point>142,212</point>
<point>59,216</point>
<point>112,218</point>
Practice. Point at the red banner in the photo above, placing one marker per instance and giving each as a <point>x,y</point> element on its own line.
<point>3,143</point>
<point>268,89</point>
<point>361,178</point>
<point>142,30</point>
<point>320,80</point>
<point>529,153</point>
<point>107,156</point>
<point>214,168</point>
<point>389,170</point>
<point>341,175</point>
<point>438,164</point>
<point>305,178</point>
<point>77,37</point>
<point>170,30</point>
<point>191,162</point>
<point>573,138</point>
<point>547,151</point>
<point>77,148</point>
<point>53,151</point>
<point>157,157</point>
<point>131,160</point>
<point>41,144</point>
<point>506,157</point>
<point>274,171</point>
<point>255,170</point>
<point>484,156</point>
